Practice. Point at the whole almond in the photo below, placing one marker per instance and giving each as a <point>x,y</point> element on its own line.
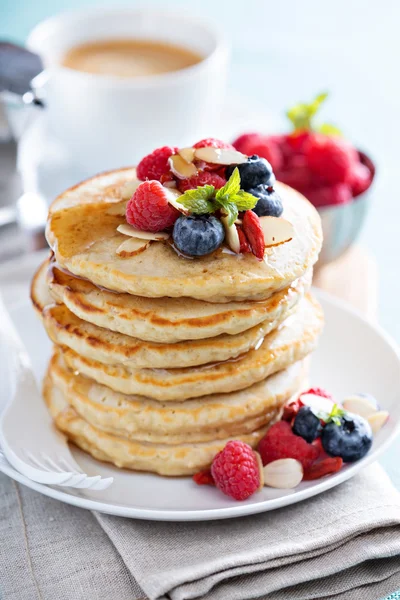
<point>284,473</point>
<point>363,406</point>
<point>377,420</point>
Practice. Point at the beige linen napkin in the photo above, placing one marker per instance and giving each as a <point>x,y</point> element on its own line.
<point>343,545</point>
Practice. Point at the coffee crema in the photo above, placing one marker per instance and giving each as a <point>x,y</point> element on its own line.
<point>129,57</point>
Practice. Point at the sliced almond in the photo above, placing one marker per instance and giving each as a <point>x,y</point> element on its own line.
<point>377,420</point>
<point>284,473</point>
<point>117,208</point>
<point>127,229</point>
<point>131,247</point>
<point>170,185</point>
<point>360,405</point>
<point>129,188</point>
<point>181,168</point>
<point>231,235</point>
<point>277,230</point>
<point>220,156</point>
<point>187,154</point>
<point>172,196</point>
<point>317,403</point>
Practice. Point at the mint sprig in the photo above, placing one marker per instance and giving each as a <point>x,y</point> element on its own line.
<point>302,117</point>
<point>230,199</point>
<point>198,200</point>
<point>334,416</point>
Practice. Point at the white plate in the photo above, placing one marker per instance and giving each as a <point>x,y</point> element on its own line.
<point>352,356</point>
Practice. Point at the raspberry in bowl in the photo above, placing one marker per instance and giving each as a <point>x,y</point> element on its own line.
<point>326,168</point>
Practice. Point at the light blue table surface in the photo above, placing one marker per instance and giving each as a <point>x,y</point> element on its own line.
<point>286,51</point>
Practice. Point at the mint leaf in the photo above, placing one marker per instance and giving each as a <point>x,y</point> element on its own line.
<point>335,415</point>
<point>301,115</point>
<point>244,200</point>
<point>230,199</point>
<point>229,209</point>
<point>198,200</point>
<point>329,129</point>
<point>231,187</point>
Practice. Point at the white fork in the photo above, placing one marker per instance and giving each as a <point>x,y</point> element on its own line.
<point>28,439</point>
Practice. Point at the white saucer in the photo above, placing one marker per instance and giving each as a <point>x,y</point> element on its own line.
<point>352,356</point>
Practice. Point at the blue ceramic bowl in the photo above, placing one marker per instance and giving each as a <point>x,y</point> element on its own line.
<point>341,224</point>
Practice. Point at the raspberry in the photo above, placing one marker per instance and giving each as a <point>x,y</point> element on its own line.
<point>254,233</point>
<point>331,157</point>
<point>321,452</point>
<point>263,145</point>
<point>244,142</point>
<point>290,410</point>
<point>202,178</point>
<point>244,244</point>
<point>360,180</point>
<point>297,174</point>
<point>329,195</point>
<point>280,428</point>
<point>237,470</point>
<point>212,143</point>
<point>324,467</point>
<point>204,478</point>
<point>154,165</point>
<point>148,209</point>
<point>317,391</point>
<point>281,442</point>
<point>298,141</point>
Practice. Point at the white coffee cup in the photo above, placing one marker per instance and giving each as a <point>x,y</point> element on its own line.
<point>105,122</point>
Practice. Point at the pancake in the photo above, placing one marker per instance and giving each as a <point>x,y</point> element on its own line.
<point>291,342</point>
<point>81,230</point>
<point>93,342</point>
<point>168,320</point>
<point>170,460</point>
<point>204,419</point>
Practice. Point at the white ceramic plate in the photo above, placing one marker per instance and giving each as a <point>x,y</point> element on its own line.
<point>352,356</point>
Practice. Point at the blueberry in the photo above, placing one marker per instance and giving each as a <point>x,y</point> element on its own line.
<point>306,424</point>
<point>269,203</point>
<point>350,440</point>
<point>254,171</point>
<point>198,235</point>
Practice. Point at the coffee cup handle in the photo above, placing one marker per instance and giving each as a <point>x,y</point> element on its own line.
<point>20,111</point>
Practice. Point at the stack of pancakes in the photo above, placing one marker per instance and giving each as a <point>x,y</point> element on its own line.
<point>160,359</point>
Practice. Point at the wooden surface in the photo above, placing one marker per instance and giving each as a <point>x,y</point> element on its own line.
<point>353,278</point>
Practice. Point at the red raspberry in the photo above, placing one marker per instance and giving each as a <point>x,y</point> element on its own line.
<point>317,391</point>
<point>281,442</point>
<point>148,209</point>
<point>245,141</point>
<point>244,244</point>
<point>331,157</point>
<point>329,195</point>
<point>290,410</point>
<point>212,143</point>
<point>280,428</point>
<point>360,180</point>
<point>324,467</point>
<point>297,174</point>
<point>254,233</point>
<point>263,145</point>
<point>321,452</point>
<point>237,470</point>
<point>204,478</point>
<point>286,149</point>
<point>202,178</point>
<point>154,165</point>
<point>298,140</point>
